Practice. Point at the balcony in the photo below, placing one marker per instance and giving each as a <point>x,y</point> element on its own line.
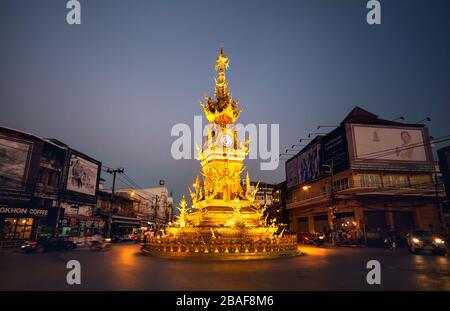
<point>323,192</point>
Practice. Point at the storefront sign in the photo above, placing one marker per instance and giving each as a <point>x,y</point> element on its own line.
<point>22,211</point>
<point>82,210</point>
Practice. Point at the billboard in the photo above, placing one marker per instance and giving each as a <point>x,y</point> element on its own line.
<point>389,143</point>
<point>389,147</point>
<point>14,162</point>
<point>304,167</point>
<point>291,173</point>
<point>309,164</point>
<point>82,175</point>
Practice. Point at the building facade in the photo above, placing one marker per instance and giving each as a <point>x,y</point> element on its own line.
<point>30,176</point>
<point>279,207</point>
<point>367,176</point>
<point>155,205</point>
<point>78,199</point>
<point>46,188</point>
<point>123,209</point>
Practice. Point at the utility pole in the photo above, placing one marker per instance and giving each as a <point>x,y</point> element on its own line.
<point>111,208</point>
<point>438,200</point>
<point>155,207</point>
<point>333,202</point>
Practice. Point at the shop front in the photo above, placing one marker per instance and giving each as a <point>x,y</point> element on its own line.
<point>122,226</point>
<point>79,223</point>
<point>20,222</point>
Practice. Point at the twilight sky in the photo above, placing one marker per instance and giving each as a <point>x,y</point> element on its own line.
<point>114,86</point>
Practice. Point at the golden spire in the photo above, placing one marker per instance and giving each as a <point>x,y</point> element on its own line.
<point>221,110</point>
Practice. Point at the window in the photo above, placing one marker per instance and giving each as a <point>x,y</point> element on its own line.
<point>370,180</point>
<point>341,184</point>
<point>395,181</point>
<point>18,228</point>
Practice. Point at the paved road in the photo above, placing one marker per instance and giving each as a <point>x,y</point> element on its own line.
<point>125,268</point>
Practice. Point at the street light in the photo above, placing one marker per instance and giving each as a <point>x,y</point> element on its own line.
<point>399,118</point>
<point>287,150</point>
<point>333,209</point>
<point>310,134</point>
<point>322,126</point>
<point>301,139</point>
<point>293,146</point>
<point>428,119</point>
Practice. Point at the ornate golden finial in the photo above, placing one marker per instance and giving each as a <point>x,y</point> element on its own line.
<point>221,110</point>
<point>183,202</point>
<point>222,62</point>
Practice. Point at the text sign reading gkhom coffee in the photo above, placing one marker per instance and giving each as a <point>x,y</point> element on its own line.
<point>22,211</point>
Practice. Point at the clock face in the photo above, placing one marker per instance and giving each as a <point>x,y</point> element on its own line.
<point>226,140</point>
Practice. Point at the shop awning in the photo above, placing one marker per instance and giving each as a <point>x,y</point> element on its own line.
<point>126,220</point>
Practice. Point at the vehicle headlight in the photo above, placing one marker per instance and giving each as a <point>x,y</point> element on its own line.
<point>438,241</point>
<point>416,240</point>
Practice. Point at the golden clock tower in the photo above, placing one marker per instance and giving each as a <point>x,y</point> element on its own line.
<point>224,219</point>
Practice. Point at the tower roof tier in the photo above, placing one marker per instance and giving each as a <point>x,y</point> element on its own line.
<point>222,109</point>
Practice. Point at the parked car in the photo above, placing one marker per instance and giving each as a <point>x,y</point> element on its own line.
<point>45,244</point>
<point>422,240</point>
<point>305,238</point>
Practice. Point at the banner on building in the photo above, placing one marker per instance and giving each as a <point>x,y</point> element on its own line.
<point>82,175</point>
<point>389,147</point>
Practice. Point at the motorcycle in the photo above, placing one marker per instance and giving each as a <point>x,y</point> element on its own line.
<point>100,245</point>
<point>319,240</point>
<point>390,243</point>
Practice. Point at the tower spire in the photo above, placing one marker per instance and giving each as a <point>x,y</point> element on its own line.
<point>221,110</point>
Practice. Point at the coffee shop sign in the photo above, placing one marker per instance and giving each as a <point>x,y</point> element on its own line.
<point>23,211</point>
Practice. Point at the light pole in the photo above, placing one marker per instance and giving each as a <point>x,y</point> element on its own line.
<point>329,126</point>
<point>311,134</point>
<point>428,119</point>
<point>398,118</point>
<point>333,202</point>
<point>111,208</point>
<point>296,145</point>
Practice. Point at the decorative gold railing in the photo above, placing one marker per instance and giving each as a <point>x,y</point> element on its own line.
<point>218,246</point>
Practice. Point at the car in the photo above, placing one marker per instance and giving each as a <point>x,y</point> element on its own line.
<point>305,238</point>
<point>45,244</point>
<point>422,240</point>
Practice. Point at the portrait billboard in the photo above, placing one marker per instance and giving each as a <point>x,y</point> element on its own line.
<point>14,162</point>
<point>291,173</point>
<point>389,143</point>
<point>309,164</point>
<point>82,175</point>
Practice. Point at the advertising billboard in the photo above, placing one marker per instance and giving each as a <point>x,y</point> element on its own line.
<point>309,164</point>
<point>14,163</point>
<point>291,173</point>
<point>389,147</point>
<point>304,167</point>
<point>387,143</point>
<point>82,175</point>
